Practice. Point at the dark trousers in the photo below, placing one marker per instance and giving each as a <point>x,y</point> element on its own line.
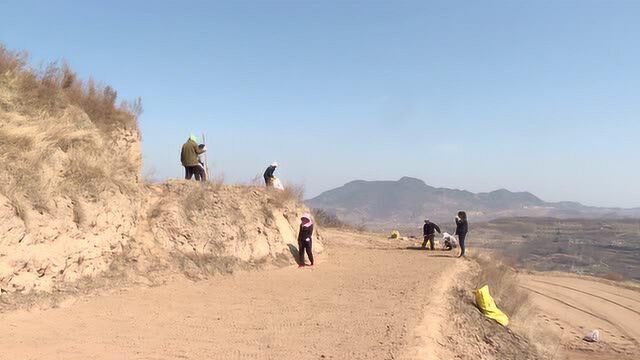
<point>461,241</point>
<point>429,238</point>
<point>194,171</point>
<point>302,246</point>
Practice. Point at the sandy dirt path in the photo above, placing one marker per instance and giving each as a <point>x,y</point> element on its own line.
<point>364,300</point>
<point>575,305</point>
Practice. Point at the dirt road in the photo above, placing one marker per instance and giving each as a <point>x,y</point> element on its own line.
<point>573,306</point>
<point>363,300</point>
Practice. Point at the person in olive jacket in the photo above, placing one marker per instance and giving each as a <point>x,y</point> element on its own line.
<point>462,228</point>
<point>305,239</point>
<point>189,159</point>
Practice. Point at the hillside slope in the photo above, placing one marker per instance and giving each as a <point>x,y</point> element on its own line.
<point>385,204</point>
<point>73,206</point>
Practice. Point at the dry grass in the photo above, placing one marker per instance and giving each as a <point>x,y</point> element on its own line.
<point>503,283</point>
<point>257,180</point>
<point>329,220</point>
<point>614,276</point>
<point>195,200</point>
<point>60,136</point>
<point>55,86</point>
<point>79,216</point>
<point>476,336</point>
<point>199,196</point>
<point>291,193</point>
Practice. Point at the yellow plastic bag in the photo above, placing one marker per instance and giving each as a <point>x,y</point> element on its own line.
<point>395,234</point>
<point>488,306</point>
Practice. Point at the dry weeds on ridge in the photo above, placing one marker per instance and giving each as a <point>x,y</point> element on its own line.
<point>40,112</point>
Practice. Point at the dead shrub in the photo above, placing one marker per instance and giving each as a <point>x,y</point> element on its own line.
<point>257,180</point>
<point>79,216</point>
<point>198,197</point>
<point>503,284</point>
<point>329,220</point>
<point>195,200</point>
<point>41,124</point>
<point>51,88</point>
<point>216,182</point>
<point>19,208</point>
<point>614,276</point>
<point>267,211</point>
<point>197,266</point>
<point>158,209</point>
<point>291,193</point>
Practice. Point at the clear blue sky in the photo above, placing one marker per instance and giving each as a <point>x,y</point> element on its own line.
<point>541,96</point>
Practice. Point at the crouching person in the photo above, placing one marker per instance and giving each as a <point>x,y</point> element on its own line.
<point>305,240</point>
<point>449,242</point>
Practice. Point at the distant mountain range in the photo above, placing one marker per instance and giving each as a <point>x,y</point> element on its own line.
<point>406,202</point>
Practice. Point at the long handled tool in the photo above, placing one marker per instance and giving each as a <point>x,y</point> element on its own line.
<point>206,162</point>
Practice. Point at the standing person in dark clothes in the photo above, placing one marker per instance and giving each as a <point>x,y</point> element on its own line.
<point>429,232</point>
<point>268,174</point>
<point>462,227</point>
<point>189,158</point>
<point>305,240</point>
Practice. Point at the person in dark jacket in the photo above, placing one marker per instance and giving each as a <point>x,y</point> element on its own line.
<point>189,158</point>
<point>305,239</point>
<point>429,232</point>
<point>268,174</point>
<point>462,228</point>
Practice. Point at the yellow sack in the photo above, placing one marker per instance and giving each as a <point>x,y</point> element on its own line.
<point>488,306</point>
<point>395,234</point>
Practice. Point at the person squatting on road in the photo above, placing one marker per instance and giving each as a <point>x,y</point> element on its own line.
<point>189,159</point>
<point>305,241</point>
<point>462,227</point>
<point>429,232</point>
<point>449,242</point>
<point>268,174</point>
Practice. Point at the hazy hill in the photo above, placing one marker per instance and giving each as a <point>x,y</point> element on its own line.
<point>408,201</point>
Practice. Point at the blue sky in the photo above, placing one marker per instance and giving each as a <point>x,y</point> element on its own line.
<point>541,96</point>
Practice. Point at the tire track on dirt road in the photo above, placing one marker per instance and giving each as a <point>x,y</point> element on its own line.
<point>590,294</point>
<point>579,308</point>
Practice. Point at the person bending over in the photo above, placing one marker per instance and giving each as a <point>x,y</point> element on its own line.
<point>429,232</point>
<point>268,174</point>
